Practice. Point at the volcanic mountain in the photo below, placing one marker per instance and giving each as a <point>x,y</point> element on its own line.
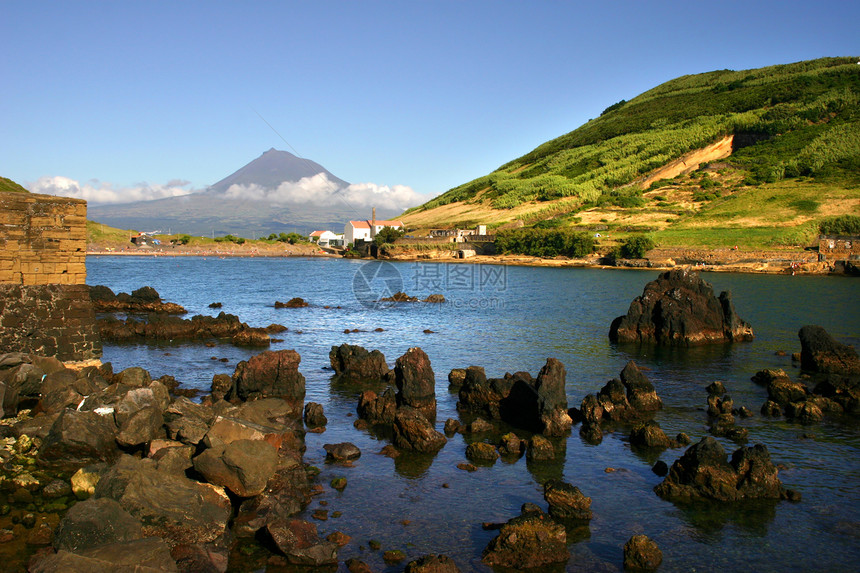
<point>276,192</point>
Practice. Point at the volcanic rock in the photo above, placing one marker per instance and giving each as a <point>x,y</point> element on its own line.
<point>679,308</point>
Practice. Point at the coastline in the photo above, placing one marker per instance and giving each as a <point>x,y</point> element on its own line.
<point>704,260</point>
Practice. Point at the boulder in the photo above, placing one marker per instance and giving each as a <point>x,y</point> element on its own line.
<point>641,394</point>
<point>299,541</point>
<point>512,445</point>
<point>416,382</point>
<point>650,435</point>
<point>377,409</point>
<point>225,430</point>
<point>628,398</point>
<point>95,522</point>
<point>820,353</point>
<point>188,422</point>
<point>432,564</point>
<point>552,399</point>
<point>147,555</point>
<point>251,337</point>
<point>780,388</point>
<point>355,364</point>
<point>704,472</point>
<point>295,302</point>
<point>269,374</point>
<point>679,308</point>
<point>342,452</point>
<point>77,439</point>
<point>173,507</point>
<point>221,386</point>
<point>566,501</point>
<point>482,452</point>
<point>539,449</point>
<point>456,377</point>
<point>314,416</point>
<point>529,540</point>
<point>242,466</point>
<point>642,554</point>
<point>413,431</point>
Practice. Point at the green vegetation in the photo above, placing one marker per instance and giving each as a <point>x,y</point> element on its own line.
<point>387,236</point>
<point>9,186</point>
<point>230,239</point>
<point>840,225</point>
<point>792,120</point>
<point>635,247</point>
<point>544,242</point>
<point>291,238</point>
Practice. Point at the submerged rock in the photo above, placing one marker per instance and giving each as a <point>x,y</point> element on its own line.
<point>642,554</point>
<point>679,308</point>
<point>566,501</point>
<point>353,363</point>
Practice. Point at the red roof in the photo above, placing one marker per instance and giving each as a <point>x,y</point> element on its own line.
<point>378,222</point>
<point>317,233</point>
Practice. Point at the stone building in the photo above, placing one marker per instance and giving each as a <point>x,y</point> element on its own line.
<point>45,306</point>
<point>838,248</point>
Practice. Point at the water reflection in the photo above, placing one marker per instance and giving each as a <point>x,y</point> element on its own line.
<point>709,518</point>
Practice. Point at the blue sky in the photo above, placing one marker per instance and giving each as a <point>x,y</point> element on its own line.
<point>153,98</point>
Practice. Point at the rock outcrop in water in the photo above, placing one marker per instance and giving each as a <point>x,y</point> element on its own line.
<point>678,308</point>
<point>167,327</point>
<point>534,404</point>
<point>529,540</point>
<point>411,410</point>
<point>354,364</point>
<point>631,397</point>
<point>704,472</point>
<point>141,301</point>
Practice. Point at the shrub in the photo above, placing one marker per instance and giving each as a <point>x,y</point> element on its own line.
<point>544,242</point>
<point>840,225</point>
<point>636,247</point>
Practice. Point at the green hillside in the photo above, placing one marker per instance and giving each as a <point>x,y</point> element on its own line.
<point>794,159</point>
<point>9,186</point>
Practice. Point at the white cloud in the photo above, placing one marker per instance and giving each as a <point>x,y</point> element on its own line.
<point>319,190</point>
<point>95,191</point>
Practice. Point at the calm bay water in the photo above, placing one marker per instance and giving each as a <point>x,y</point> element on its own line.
<point>510,319</point>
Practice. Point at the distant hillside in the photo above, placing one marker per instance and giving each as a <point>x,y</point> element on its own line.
<point>771,148</point>
<point>9,186</point>
<point>248,203</point>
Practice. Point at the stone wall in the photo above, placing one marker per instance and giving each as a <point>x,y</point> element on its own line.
<point>45,305</point>
<point>49,320</point>
<point>835,248</point>
<point>43,239</point>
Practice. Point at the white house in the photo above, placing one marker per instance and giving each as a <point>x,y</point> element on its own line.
<point>326,239</point>
<point>366,230</point>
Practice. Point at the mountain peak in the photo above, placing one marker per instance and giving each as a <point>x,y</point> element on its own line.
<point>271,169</point>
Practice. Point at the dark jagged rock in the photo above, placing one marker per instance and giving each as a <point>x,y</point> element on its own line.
<point>143,300</point>
<point>679,308</point>
<point>456,378</point>
<point>642,554</point>
<point>538,405</point>
<point>704,472</point>
<point>630,398</point>
<point>566,501</point>
<point>166,327</point>
<point>413,431</point>
<point>529,540</point>
<point>512,445</point>
<point>399,297</point>
<point>269,374</point>
<point>416,382</point>
<point>355,364</point>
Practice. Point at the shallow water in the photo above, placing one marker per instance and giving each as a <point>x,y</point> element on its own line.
<point>510,319</point>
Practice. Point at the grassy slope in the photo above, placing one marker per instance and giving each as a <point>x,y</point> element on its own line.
<point>9,186</point>
<point>804,165</point>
